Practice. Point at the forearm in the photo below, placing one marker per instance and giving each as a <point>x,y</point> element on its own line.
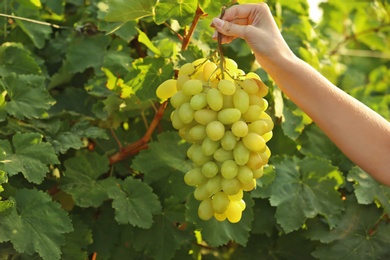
<point>359,132</point>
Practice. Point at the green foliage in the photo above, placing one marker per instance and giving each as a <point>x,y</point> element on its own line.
<point>90,165</point>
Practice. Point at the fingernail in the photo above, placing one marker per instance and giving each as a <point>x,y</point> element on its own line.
<point>218,22</point>
<point>215,35</point>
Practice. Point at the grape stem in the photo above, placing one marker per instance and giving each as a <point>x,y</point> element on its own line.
<point>222,58</point>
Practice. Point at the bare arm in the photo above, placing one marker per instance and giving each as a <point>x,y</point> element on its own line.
<point>359,132</point>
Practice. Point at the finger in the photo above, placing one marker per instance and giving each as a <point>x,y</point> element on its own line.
<point>228,28</point>
<point>242,11</point>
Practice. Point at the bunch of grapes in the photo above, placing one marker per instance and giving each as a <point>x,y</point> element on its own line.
<point>221,111</point>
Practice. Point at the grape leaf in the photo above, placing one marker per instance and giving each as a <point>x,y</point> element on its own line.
<point>38,33</point>
<point>27,154</point>
<point>77,241</point>
<point>35,224</point>
<point>218,233</point>
<point>367,190</point>
<point>86,52</point>
<point>302,189</point>
<point>134,203</point>
<point>28,96</point>
<point>168,155</point>
<point>362,234</point>
<point>295,120</point>
<point>213,8</point>
<point>82,181</point>
<point>15,59</point>
<point>4,204</point>
<point>147,75</point>
<point>128,10</point>
<point>264,220</point>
<point>164,233</point>
<point>182,11</point>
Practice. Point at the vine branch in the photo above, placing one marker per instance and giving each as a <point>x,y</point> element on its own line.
<point>354,36</point>
<point>186,40</point>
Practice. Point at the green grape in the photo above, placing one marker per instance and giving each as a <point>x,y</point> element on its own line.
<point>236,197</point>
<point>234,212</point>
<point>221,155</point>
<point>264,157</point>
<point>192,149</point>
<point>220,202</point>
<point>226,87</point>
<point>254,142</point>
<point>179,98</point>
<point>186,69</point>
<point>166,89</point>
<point>229,116</point>
<point>229,140</point>
<point>255,161</point>
<point>181,80</point>
<point>252,75</point>
<point>258,173</point>
<point>267,136</point>
<point>252,113</point>
<point>185,113</point>
<point>185,134</point>
<point>229,169</point>
<point>240,129</point>
<point>176,122</point>
<point>231,186</point>
<point>248,186</point>
<point>198,132</point>
<point>244,174</point>
<point>250,86</point>
<point>210,169</point>
<point>242,204</point>
<point>199,158</point>
<point>241,154</point>
<point>194,177</point>
<point>198,101</point>
<point>259,127</point>
<point>241,100</point>
<point>205,116</point>
<point>230,64</point>
<point>209,71</point>
<point>201,192</point>
<point>220,217</point>
<point>214,99</point>
<point>192,87</point>
<point>255,100</point>
<point>215,130</point>
<point>205,209</point>
<point>209,146</point>
<point>214,184</point>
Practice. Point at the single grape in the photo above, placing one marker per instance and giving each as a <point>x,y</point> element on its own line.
<point>227,87</point>
<point>205,116</point>
<point>210,169</point>
<point>209,146</point>
<point>259,127</point>
<point>258,173</point>
<point>241,154</point>
<point>209,71</point>
<point>241,100</point>
<point>194,177</point>
<point>215,130</point>
<point>214,184</point>
<point>231,186</point>
<point>229,169</point>
<point>221,155</point>
<point>240,129</point>
<point>229,140</point>
<point>205,209</point>
<point>179,98</point>
<point>220,217</point>
<point>166,89</point>
<point>238,196</point>
<point>201,192</point>
<point>185,113</point>
<point>220,202</point>
<point>255,161</point>
<point>234,212</point>
<point>252,113</point>
<point>192,87</point>
<point>229,116</point>
<point>250,86</point>
<point>198,101</point>
<point>181,80</point>
<point>254,142</point>
<point>248,186</point>
<point>186,69</point>
<point>198,132</point>
<point>245,174</point>
<point>214,99</point>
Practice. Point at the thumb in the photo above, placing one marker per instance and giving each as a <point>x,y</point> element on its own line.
<point>228,28</point>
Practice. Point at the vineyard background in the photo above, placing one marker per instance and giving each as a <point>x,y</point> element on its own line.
<point>91,168</point>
